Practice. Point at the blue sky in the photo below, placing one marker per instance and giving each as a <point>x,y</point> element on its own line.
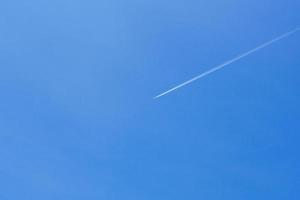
<point>77,118</point>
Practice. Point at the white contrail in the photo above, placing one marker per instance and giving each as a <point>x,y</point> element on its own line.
<point>218,67</point>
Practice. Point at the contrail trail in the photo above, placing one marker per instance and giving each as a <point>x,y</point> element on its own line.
<point>218,67</point>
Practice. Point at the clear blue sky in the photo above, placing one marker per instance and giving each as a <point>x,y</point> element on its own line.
<point>77,118</point>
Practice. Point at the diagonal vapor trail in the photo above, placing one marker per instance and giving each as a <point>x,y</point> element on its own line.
<point>218,67</point>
